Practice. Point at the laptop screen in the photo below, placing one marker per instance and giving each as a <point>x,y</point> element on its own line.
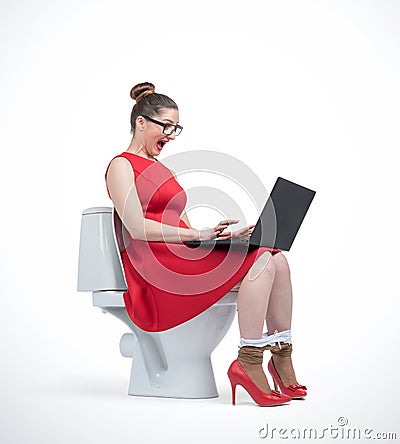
<point>282,215</point>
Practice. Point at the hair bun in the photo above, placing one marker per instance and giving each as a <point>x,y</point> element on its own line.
<point>141,90</point>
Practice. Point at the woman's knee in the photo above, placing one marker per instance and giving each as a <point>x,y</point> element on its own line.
<point>263,264</point>
<point>281,264</point>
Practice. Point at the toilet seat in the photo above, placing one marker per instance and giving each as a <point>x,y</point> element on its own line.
<point>109,298</point>
<point>113,298</point>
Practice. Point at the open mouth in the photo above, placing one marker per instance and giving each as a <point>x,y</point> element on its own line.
<point>161,143</point>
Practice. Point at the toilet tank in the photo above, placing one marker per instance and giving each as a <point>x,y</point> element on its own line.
<point>99,267</point>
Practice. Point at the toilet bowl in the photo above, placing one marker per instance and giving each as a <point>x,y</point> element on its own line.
<point>172,363</point>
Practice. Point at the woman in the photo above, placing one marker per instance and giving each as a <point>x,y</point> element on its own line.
<point>166,279</point>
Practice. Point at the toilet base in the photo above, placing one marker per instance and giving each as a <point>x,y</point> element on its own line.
<point>194,380</point>
<point>151,375</point>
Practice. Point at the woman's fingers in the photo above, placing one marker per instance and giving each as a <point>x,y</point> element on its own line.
<point>224,235</point>
<point>245,231</point>
<point>220,233</point>
<point>224,224</point>
<point>229,221</point>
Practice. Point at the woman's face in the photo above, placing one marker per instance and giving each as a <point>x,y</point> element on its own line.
<point>153,137</point>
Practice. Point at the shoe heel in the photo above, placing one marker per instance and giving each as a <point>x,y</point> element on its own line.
<point>233,393</point>
<point>238,376</point>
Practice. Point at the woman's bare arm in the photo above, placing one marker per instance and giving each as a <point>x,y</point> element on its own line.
<point>121,185</point>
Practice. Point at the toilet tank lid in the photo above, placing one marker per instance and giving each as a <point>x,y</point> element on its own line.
<point>96,210</point>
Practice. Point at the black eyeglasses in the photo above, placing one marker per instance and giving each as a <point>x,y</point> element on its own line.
<point>168,128</point>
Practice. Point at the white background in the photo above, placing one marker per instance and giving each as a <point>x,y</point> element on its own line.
<point>307,90</point>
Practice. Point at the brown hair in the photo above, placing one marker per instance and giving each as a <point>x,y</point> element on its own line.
<point>148,102</point>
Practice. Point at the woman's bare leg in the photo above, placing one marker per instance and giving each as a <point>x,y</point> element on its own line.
<point>279,314</point>
<point>253,298</point>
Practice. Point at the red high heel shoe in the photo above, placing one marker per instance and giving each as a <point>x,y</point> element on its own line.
<point>295,391</point>
<point>237,375</point>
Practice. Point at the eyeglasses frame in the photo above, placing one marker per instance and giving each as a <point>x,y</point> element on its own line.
<point>164,125</point>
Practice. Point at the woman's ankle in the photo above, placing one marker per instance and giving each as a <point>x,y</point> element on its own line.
<point>284,367</point>
<point>250,358</point>
<point>256,373</point>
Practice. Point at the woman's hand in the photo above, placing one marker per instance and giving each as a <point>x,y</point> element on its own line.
<point>218,231</point>
<point>244,232</point>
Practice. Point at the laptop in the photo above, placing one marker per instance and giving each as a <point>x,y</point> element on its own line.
<point>278,224</point>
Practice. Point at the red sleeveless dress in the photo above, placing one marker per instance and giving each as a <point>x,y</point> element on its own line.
<point>170,283</point>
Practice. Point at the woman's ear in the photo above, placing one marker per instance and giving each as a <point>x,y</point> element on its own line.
<point>140,122</point>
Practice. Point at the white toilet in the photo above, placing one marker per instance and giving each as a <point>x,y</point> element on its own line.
<point>172,363</point>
